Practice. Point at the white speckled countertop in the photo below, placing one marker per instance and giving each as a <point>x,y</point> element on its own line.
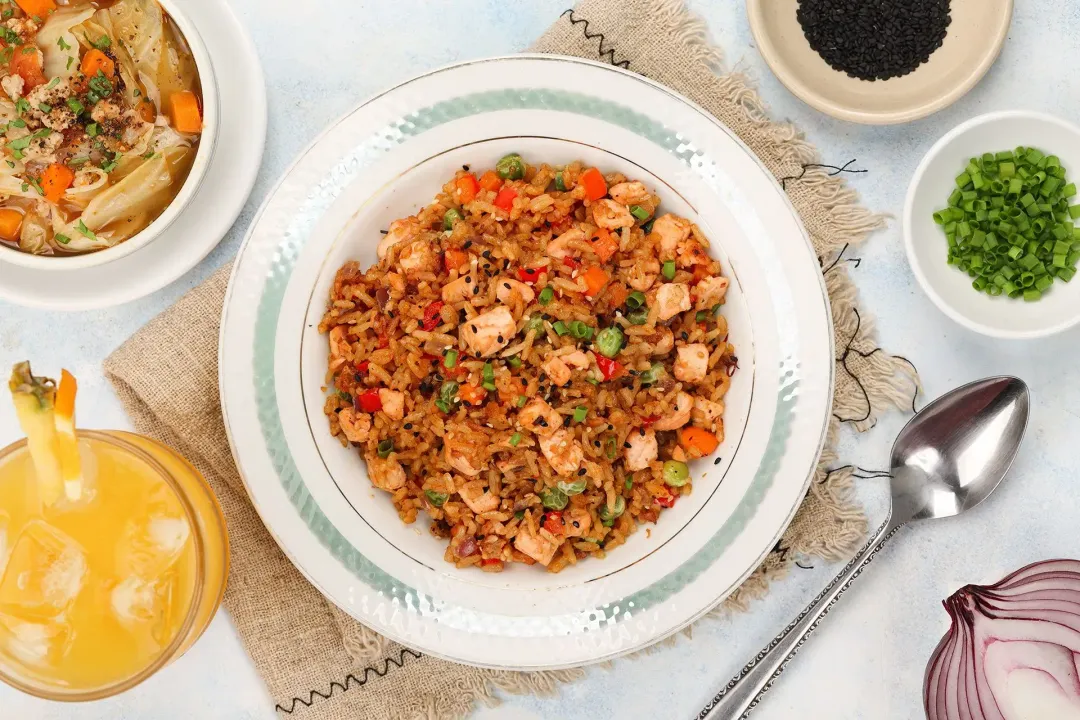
<point>867,659</point>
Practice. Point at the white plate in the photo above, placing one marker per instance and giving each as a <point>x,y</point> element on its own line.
<point>217,202</point>
<point>385,160</point>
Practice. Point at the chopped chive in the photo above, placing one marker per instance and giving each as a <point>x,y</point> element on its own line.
<point>580,412</point>
<point>546,295</point>
<point>515,439</point>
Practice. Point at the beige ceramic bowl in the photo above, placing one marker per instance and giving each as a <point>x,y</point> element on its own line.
<point>976,34</point>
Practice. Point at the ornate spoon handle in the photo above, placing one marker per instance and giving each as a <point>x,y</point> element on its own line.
<point>744,691</point>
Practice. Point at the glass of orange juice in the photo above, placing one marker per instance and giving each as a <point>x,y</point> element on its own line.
<point>113,552</point>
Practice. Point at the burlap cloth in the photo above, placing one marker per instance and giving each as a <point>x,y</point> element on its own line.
<point>319,663</point>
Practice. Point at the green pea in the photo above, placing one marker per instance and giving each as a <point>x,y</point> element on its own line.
<point>653,374</point>
<point>560,184</point>
<point>573,488</point>
<point>676,474</point>
<point>639,316</point>
<point>553,498</point>
<point>436,498</point>
<point>510,167</point>
<point>608,515</point>
<point>535,323</point>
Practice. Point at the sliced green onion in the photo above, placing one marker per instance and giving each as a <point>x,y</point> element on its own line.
<point>676,474</point>
<point>560,183</point>
<point>436,498</point>
<point>513,361</point>
<point>669,269</point>
<point>560,328</point>
<point>522,400</point>
<point>547,295</point>
<point>608,514</point>
<point>652,375</point>
<point>647,227</point>
<point>635,300</point>
<point>450,358</point>
<point>515,439</point>
<point>639,212</point>
<point>629,484</point>
<point>639,316</point>
<point>580,412</point>
<point>452,216</point>
<point>536,323</point>
<point>580,330</point>
<point>611,448</point>
<point>609,341</point>
<point>385,448</point>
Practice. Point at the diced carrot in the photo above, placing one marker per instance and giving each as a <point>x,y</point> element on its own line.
<point>26,63</point>
<point>186,116</point>
<point>95,60</point>
<point>698,439</point>
<point>603,244</point>
<point>147,111</point>
<point>595,184</point>
<point>490,181</point>
<point>505,199</point>
<point>595,280</point>
<point>467,186</point>
<point>454,259</point>
<point>41,8</point>
<point>472,394</point>
<point>10,223</point>
<point>618,294</point>
<point>55,181</point>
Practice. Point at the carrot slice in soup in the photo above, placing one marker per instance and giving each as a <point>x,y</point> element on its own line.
<point>595,184</point>
<point>41,8</point>
<point>186,116</point>
<point>10,224</point>
<point>55,181</point>
<point>95,60</point>
<point>26,63</point>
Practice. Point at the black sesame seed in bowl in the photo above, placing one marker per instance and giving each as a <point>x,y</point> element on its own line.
<point>879,61</point>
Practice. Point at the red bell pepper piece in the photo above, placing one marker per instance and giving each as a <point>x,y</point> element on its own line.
<point>609,368</point>
<point>530,275</point>
<point>432,319</point>
<point>571,262</point>
<point>505,199</point>
<point>553,523</point>
<point>666,501</point>
<point>363,367</point>
<point>368,401</point>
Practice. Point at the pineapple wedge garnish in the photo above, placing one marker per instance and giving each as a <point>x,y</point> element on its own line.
<point>67,444</point>
<point>35,401</point>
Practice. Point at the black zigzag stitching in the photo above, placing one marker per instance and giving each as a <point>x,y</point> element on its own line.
<point>834,171</point>
<point>601,52</point>
<point>350,680</point>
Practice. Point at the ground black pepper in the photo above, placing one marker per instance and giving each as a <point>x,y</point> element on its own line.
<point>874,39</point>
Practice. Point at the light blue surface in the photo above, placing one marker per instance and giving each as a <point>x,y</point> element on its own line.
<point>868,658</point>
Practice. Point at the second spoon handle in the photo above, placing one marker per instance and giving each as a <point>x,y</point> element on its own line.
<point>744,691</point>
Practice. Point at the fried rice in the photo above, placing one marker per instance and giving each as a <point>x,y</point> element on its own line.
<point>532,362</point>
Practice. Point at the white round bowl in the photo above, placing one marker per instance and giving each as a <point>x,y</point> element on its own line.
<point>187,191</point>
<point>949,288</point>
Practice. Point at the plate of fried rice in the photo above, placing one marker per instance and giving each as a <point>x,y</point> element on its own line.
<point>527,362</point>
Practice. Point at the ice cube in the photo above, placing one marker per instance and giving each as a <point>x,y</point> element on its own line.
<point>35,643</point>
<point>44,572</point>
<point>152,543</point>
<point>138,601</point>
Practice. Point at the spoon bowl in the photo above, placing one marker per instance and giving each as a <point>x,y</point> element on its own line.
<point>955,452</point>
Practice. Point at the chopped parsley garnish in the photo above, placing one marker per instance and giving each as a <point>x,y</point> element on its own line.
<point>29,50</point>
<point>45,108</point>
<point>37,19</point>
<point>62,44</point>
<point>75,106</point>
<point>138,92</point>
<point>10,164</point>
<point>76,162</point>
<point>25,187</point>
<point>20,143</point>
<point>37,186</point>
<point>6,54</point>
<point>149,155</point>
<point>9,36</point>
<point>53,83</point>
<point>18,122</point>
<point>111,165</point>
<point>100,88</point>
<point>62,239</point>
<point>22,106</point>
<point>85,231</point>
<point>93,129</point>
<point>103,43</point>
<point>7,13</point>
<point>71,61</point>
<point>42,133</point>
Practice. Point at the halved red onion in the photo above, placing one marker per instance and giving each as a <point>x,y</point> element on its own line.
<point>1012,649</point>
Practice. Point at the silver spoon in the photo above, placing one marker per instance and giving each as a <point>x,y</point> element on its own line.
<point>946,460</point>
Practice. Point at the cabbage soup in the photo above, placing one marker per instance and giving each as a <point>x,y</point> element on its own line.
<point>101,111</point>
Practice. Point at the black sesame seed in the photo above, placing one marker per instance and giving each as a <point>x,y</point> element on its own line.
<point>506,285</point>
<point>467,245</point>
<point>641,431</point>
<point>465,168</point>
<point>408,426</point>
<point>685,336</point>
<point>385,232</point>
<point>486,254</point>
<point>717,461</point>
<point>476,290</point>
<point>581,471</point>
<point>500,338</point>
<point>462,315</point>
<point>874,39</point>
<point>468,279</point>
<point>473,328</point>
<point>575,523</point>
<point>524,381</point>
<point>626,444</point>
